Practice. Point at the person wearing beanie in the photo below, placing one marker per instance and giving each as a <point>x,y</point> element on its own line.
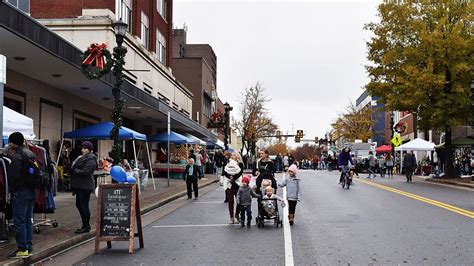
<point>293,191</point>
<point>23,196</point>
<point>244,199</point>
<point>83,183</point>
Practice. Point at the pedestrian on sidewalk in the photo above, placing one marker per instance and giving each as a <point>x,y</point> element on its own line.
<point>244,199</point>
<point>192,174</point>
<point>389,164</point>
<point>409,164</point>
<point>23,195</point>
<point>83,183</point>
<point>293,191</point>
<point>233,173</point>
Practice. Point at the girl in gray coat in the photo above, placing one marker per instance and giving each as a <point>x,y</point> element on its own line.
<point>293,191</point>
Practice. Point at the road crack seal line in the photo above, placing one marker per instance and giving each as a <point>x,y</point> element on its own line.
<point>448,207</point>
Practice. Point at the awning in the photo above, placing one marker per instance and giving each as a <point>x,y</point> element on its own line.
<point>383,149</point>
<point>174,138</point>
<point>102,131</point>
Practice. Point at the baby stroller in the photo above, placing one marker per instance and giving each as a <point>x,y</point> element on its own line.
<point>268,210</point>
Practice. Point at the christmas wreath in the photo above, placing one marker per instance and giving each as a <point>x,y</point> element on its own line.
<point>97,61</point>
<point>217,120</point>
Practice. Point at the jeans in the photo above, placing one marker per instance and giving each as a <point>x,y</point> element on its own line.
<point>245,209</point>
<point>292,206</point>
<point>371,171</point>
<point>191,181</point>
<point>82,203</point>
<point>23,204</point>
<point>390,171</point>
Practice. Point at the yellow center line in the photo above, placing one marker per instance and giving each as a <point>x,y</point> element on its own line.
<point>448,207</point>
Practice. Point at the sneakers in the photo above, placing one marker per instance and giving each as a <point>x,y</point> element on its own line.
<point>232,221</point>
<point>19,254</point>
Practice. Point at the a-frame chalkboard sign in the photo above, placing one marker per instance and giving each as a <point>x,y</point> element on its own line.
<point>118,208</point>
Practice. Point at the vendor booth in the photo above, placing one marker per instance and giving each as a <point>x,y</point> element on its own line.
<point>16,122</point>
<point>415,145</point>
<point>383,149</point>
<point>101,131</point>
<point>177,166</point>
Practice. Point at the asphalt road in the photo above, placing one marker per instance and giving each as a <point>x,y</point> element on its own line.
<point>390,222</point>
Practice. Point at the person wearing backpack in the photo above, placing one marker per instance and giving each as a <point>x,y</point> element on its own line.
<point>83,183</point>
<point>23,194</point>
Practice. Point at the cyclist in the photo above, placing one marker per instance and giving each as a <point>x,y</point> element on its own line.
<point>343,161</point>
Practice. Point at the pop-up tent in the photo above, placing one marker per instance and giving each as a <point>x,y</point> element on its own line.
<point>195,140</point>
<point>101,131</point>
<point>16,122</point>
<point>383,149</point>
<point>174,138</point>
<point>415,145</point>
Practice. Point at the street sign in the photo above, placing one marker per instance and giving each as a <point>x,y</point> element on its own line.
<point>397,140</point>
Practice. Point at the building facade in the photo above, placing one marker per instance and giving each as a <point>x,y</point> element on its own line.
<point>44,79</point>
<point>379,129</point>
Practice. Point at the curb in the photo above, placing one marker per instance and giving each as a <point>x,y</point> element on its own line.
<point>449,183</point>
<point>50,251</point>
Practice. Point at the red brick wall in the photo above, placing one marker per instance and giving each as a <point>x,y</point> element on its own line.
<point>55,8</point>
<point>73,8</point>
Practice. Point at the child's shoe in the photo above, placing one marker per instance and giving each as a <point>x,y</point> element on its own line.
<point>248,223</point>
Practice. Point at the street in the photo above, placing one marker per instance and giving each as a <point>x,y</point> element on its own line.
<point>363,225</point>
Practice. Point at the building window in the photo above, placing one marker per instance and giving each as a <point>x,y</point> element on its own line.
<point>145,30</point>
<point>123,10</point>
<point>207,107</point>
<point>160,47</point>
<point>161,6</point>
<point>23,5</point>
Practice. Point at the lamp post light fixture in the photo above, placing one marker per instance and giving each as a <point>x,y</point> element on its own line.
<point>227,109</point>
<point>120,28</point>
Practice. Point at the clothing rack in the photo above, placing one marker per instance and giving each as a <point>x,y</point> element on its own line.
<point>44,203</point>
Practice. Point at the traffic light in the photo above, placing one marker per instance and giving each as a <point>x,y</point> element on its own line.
<point>297,140</point>
<point>299,133</point>
<point>316,140</point>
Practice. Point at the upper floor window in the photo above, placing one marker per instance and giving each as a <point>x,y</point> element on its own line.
<point>123,10</point>
<point>145,30</point>
<point>160,47</point>
<point>23,5</point>
<point>162,7</point>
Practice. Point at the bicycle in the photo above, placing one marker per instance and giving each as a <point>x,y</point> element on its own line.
<point>346,180</point>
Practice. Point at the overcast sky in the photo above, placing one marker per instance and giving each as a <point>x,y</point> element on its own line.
<point>309,55</point>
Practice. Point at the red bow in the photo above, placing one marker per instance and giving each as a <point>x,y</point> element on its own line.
<point>95,54</point>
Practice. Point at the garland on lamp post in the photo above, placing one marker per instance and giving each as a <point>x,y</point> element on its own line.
<point>93,67</point>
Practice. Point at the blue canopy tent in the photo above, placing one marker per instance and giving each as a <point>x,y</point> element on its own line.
<point>174,138</point>
<point>101,131</point>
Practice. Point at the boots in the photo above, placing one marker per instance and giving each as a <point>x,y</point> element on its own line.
<point>291,218</point>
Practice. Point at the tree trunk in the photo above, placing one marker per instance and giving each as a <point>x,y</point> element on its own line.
<point>449,167</point>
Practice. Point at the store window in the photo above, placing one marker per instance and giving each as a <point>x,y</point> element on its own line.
<point>123,10</point>
<point>207,107</point>
<point>15,100</point>
<point>161,5</point>
<point>160,47</point>
<point>145,30</point>
<point>23,5</point>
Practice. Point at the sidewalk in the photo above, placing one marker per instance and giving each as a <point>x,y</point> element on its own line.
<point>460,182</point>
<point>53,240</point>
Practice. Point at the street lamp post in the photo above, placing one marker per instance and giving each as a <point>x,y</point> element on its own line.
<point>227,109</point>
<point>120,28</point>
<point>392,132</point>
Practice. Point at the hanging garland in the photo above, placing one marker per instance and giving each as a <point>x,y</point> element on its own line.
<point>93,65</point>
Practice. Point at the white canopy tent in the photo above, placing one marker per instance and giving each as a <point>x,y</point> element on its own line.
<point>414,145</point>
<point>16,122</point>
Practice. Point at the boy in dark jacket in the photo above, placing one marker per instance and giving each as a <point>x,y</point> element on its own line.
<point>23,196</point>
<point>244,199</point>
<point>191,175</point>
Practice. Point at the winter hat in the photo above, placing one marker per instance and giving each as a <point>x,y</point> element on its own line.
<point>246,179</point>
<point>293,168</point>
<point>88,145</point>
<point>16,138</point>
